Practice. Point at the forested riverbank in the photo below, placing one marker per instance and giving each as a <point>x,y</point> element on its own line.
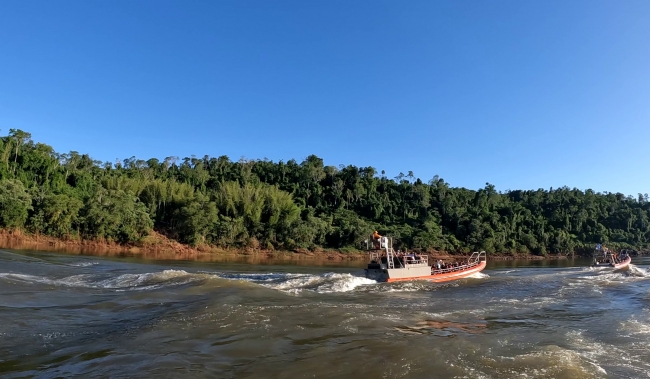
<point>215,204</point>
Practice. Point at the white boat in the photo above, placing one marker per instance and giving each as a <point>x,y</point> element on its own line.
<point>385,265</point>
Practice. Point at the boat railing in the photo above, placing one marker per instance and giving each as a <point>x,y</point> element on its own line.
<point>462,267</point>
<point>477,257</point>
<point>416,261</point>
<point>474,260</point>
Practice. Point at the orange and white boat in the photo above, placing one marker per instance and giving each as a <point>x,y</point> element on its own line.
<point>388,266</point>
<point>604,257</point>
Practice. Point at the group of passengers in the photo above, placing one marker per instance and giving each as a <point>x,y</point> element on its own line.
<point>446,266</point>
<point>408,257</point>
<point>611,258</point>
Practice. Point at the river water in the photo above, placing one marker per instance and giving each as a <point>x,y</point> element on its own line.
<point>74,315</point>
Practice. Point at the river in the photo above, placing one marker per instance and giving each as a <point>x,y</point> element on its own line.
<point>83,316</point>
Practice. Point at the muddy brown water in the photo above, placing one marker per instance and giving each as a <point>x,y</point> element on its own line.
<point>86,316</point>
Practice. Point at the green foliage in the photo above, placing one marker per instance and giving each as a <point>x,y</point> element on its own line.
<point>430,237</point>
<point>14,204</point>
<point>55,215</point>
<point>197,220</point>
<point>115,215</point>
<point>259,203</point>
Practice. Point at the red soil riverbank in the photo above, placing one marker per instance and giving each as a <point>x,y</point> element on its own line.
<point>157,246</point>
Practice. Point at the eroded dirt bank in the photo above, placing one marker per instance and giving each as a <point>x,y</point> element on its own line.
<point>157,246</point>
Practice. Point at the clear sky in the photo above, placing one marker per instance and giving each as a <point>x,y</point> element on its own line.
<point>521,94</point>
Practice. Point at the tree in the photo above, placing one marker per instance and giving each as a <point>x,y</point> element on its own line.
<point>115,215</point>
<point>56,215</point>
<point>19,138</point>
<point>196,220</point>
<point>15,202</point>
<point>289,205</point>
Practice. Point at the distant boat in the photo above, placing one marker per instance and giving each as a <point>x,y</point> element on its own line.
<point>388,266</point>
<point>603,257</point>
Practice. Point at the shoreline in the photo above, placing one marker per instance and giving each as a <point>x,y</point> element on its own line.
<point>159,247</point>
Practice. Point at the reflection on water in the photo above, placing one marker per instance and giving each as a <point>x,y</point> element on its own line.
<point>166,254</point>
<point>88,316</point>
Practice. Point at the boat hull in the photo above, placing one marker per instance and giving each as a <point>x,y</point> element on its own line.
<point>623,264</point>
<point>402,275</point>
<point>615,266</point>
<point>445,277</point>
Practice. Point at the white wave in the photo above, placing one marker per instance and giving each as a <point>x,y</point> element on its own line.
<point>550,361</point>
<point>505,272</point>
<point>408,286</point>
<point>635,327</point>
<point>26,278</point>
<point>605,277</point>
<point>121,282</point>
<point>343,283</point>
<point>84,264</point>
<point>327,283</point>
<point>637,271</point>
<point>597,352</point>
<point>479,275</point>
<point>150,280</point>
<point>286,282</point>
<point>296,283</point>
<point>531,300</point>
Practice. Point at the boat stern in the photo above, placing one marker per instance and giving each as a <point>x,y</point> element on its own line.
<point>378,272</point>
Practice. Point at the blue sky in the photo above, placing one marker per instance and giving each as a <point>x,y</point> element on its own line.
<point>521,94</point>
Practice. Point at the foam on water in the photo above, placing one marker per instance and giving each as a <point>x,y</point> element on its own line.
<point>150,280</point>
<point>285,282</point>
<point>26,278</point>
<point>122,282</point>
<point>630,357</point>
<point>635,327</point>
<point>549,361</point>
<point>84,264</point>
<point>296,283</point>
<point>639,272</point>
<point>609,276</point>
<point>504,272</point>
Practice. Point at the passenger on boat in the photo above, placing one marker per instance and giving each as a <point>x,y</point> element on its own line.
<point>377,239</point>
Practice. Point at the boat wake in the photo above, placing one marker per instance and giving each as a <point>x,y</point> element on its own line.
<point>637,271</point>
<point>291,283</point>
<point>335,282</point>
<point>144,281</point>
<point>632,272</point>
<point>297,283</point>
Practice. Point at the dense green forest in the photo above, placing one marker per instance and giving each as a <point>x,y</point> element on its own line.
<point>289,205</point>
